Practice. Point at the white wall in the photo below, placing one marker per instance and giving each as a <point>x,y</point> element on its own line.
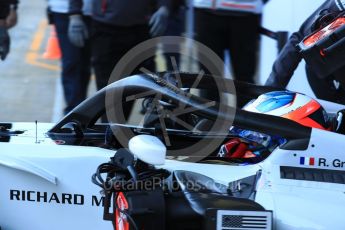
<point>285,15</point>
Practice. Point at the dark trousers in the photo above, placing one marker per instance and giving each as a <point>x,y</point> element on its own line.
<point>176,26</point>
<point>238,34</point>
<point>110,44</point>
<point>76,64</point>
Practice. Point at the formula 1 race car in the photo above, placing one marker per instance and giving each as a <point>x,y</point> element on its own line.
<point>163,175</point>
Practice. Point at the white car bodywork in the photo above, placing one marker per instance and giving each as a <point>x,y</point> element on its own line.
<point>296,204</point>
<point>49,187</point>
<point>305,204</point>
<point>44,186</point>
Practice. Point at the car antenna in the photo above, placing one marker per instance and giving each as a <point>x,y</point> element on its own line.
<point>36,132</point>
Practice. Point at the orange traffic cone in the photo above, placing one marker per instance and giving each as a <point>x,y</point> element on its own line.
<point>53,49</point>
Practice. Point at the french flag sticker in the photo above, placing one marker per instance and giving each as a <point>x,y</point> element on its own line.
<point>307,161</point>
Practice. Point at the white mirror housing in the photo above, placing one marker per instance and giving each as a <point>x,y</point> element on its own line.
<point>148,149</point>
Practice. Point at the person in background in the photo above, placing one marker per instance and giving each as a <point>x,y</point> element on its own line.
<point>12,18</point>
<point>289,57</point>
<point>8,19</point>
<point>76,57</point>
<point>117,27</point>
<point>231,25</point>
<point>176,27</point>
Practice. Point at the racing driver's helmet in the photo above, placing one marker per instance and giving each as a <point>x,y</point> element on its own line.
<point>294,106</point>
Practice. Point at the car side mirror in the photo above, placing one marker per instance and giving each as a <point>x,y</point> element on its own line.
<point>148,149</point>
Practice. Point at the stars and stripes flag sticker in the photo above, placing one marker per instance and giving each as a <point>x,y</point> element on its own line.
<point>307,161</point>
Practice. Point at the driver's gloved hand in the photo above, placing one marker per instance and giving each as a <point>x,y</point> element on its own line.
<point>340,122</point>
<point>235,148</point>
<point>4,42</point>
<point>159,21</point>
<point>77,31</point>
